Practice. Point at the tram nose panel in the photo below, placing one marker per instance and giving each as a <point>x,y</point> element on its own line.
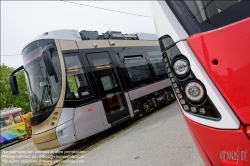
<point>66,133</point>
<point>227,66</point>
<point>65,130</point>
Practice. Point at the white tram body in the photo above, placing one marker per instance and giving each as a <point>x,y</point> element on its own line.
<point>82,83</point>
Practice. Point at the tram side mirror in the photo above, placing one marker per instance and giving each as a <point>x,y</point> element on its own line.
<point>13,82</point>
<point>46,55</point>
<point>13,85</point>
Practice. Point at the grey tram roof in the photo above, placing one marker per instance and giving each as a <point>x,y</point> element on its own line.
<point>72,34</point>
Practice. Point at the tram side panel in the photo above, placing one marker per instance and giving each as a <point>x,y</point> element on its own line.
<point>87,117</point>
<point>90,100</point>
<point>148,86</point>
<point>100,93</point>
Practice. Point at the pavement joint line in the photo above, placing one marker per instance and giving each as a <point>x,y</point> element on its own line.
<point>16,145</point>
<point>88,148</point>
<point>30,148</point>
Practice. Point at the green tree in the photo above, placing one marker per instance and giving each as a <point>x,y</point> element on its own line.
<point>6,98</point>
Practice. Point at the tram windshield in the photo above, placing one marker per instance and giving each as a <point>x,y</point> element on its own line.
<point>204,15</point>
<point>44,90</point>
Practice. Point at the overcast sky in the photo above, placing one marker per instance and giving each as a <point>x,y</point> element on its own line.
<point>23,21</point>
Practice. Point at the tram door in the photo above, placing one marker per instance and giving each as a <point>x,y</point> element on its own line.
<point>112,97</point>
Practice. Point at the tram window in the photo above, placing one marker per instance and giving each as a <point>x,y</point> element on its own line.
<point>5,121</point>
<point>101,63</point>
<point>99,60</point>
<point>72,90</point>
<point>114,103</point>
<point>76,79</point>
<point>17,118</point>
<point>156,61</point>
<point>108,82</point>
<point>137,68</point>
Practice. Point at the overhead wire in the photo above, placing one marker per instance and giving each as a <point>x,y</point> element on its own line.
<point>107,9</point>
<point>96,8</point>
<point>11,55</point>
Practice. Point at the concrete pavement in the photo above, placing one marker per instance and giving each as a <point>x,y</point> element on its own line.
<point>162,139</point>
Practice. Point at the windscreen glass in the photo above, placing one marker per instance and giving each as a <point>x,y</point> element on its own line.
<point>44,90</point>
<point>156,60</point>
<point>210,14</point>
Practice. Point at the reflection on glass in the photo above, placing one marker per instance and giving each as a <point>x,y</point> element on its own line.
<point>113,103</point>
<point>75,76</point>
<point>204,9</point>
<point>72,90</point>
<point>44,91</point>
<point>137,68</point>
<point>156,61</point>
<point>17,118</point>
<point>5,121</point>
<point>108,82</point>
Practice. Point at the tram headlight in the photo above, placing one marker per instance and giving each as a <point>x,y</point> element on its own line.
<point>195,91</point>
<point>181,67</point>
